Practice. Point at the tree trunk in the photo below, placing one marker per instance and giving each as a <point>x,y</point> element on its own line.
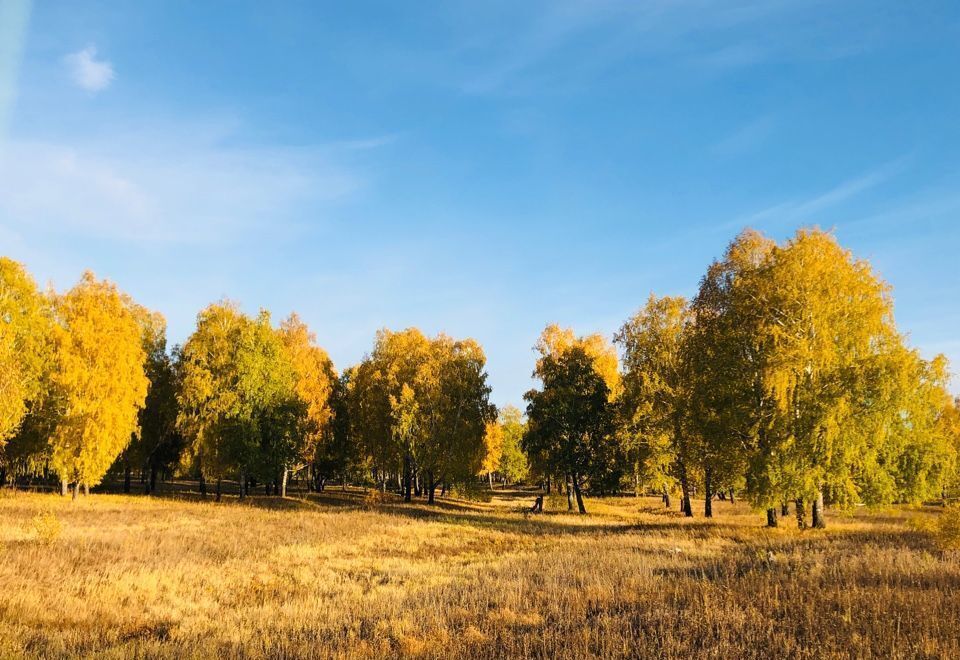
<point>431,487</point>
<point>64,487</point>
<point>569,495</point>
<point>407,478</point>
<point>666,498</point>
<point>153,479</point>
<point>548,485</point>
<point>685,488</point>
<point>818,521</point>
<point>283,482</point>
<point>126,477</point>
<point>731,497</point>
<point>708,495</point>
<point>243,485</point>
<point>219,487</point>
<point>576,489</point>
<point>203,486</point>
<point>771,517</point>
<point>784,509</point>
<point>801,514</point>
<point>86,489</point>
<point>76,489</point>
<point>490,479</point>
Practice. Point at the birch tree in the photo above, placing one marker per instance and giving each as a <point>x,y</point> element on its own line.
<point>25,350</point>
<point>657,392</point>
<point>99,371</point>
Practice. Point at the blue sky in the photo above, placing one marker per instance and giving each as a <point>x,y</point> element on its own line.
<point>480,168</point>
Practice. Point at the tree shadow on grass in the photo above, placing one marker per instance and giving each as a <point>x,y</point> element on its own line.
<point>542,524</point>
<point>795,557</point>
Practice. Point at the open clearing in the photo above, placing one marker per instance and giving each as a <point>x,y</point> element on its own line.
<point>129,576</point>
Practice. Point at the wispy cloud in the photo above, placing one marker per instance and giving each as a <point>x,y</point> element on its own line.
<point>87,72</point>
<point>715,35</point>
<point>167,186</point>
<point>733,56</point>
<point>931,207</point>
<point>806,210</point>
<point>365,144</point>
<point>745,138</point>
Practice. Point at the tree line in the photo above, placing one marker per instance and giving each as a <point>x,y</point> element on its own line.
<point>784,380</point>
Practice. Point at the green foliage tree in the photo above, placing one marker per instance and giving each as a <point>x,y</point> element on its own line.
<point>513,464</point>
<point>453,411</point>
<point>909,453</point>
<point>801,381</point>
<point>657,393</point>
<point>570,420</point>
<point>340,455</point>
<point>729,359</point>
<point>238,405</point>
<point>157,444</point>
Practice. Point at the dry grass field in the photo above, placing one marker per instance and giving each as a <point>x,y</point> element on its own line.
<point>126,576</point>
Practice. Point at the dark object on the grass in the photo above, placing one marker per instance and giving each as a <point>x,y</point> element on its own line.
<point>538,505</point>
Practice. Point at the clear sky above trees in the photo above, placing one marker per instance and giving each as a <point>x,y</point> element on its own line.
<point>474,168</point>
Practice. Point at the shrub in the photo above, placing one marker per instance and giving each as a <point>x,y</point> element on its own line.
<point>471,490</point>
<point>46,527</point>
<point>947,529</point>
<point>374,498</point>
<point>555,501</point>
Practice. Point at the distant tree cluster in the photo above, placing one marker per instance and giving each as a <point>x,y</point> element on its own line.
<point>784,380</point>
<point>88,383</point>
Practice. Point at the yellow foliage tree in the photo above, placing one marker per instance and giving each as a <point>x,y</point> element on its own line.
<point>314,378</point>
<point>829,318</point>
<point>383,405</point>
<point>493,449</point>
<point>99,372</point>
<point>452,411</point>
<point>554,341</point>
<point>24,331</point>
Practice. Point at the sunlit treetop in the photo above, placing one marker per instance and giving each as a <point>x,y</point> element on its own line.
<point>554,341</point>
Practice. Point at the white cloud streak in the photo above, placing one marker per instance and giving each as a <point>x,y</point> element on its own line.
<point>746,138</point>
<point>87,72</point>
<point>713,35</point>
<point>806,210</point>
<point>166,187</point>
